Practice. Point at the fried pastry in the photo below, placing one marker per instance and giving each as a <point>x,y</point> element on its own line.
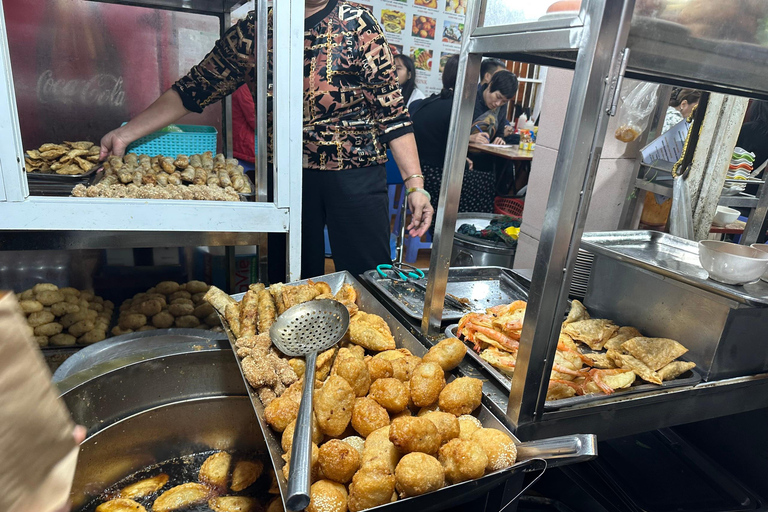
<point>368,416</point>
<point>215,471</point>
<point>654,352</point>
<point>246,472</point>
<point>622,335</point>
<point>379,453</point>
<point>283,410</point>
<point>370,488</point>
<point>120,505</point>
<point>181,496</point>
<point>354,371</point>
<point>379,368</point>
<point>234,504</point>
<point>327,496</point>
<point>287,439</point>
<point>448,353</point>
<point>577,313</point>
<point>144,488</point>
<point>267,312</point>
<point>426,383</point>
<point>418,473</point>
<point>338,461</point>
<point>414,434</point>
<point>447,425</point>
<point>391,394</point>
<point>634,364</point>
<point>462,460</point>
<point>333,405</point>
<point>675,369</point>
<point>461,396</point>
<point>498,447</point>
<point>371,332</point>
<point>402,368</point>
<point>594,332</point>
<point>248,313</point>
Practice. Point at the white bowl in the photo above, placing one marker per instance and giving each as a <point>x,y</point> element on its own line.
<point>731,263</point>
<point>725,216</point>
<point>763,248</point>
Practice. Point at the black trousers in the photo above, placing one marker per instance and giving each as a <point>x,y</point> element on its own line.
<point>353,204</point>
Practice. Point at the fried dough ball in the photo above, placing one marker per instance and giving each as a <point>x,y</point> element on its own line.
<point>338,461</point>
<point>414,434</point>
<point>498,446</point>
<point>402,367</point>
<point>446,423</point>
<point>287,439</point>
<point>370,488</point>
<point>132,321</point>
<point>167,287</point>
<point>314,467</point>
<point>197,287</point>
<point>354,371</point>
<point>187,321</point>
<point>44,287</point>
<point>181,309</point>
<point>327,496</point>
<point>462,460</point>
<point>281,411</point>
<point>333,405</point>
<point>462,396</point>
<point>63,308</point>
<point>120,505</point>
<point>40,318</point>
<point>427,381</point>
<point>379,453</point>
<point>467,426</point>
<point>368,415</point>
<point>215,471</point>
<point>49,297</point>
<point>50,329</point>
<point>62,340</point>
<point>418,473</point>
<point>151,307</point>
<point>32,306</point>
<point>391,394</point>
<point>246,472</point>
<point>391,355</point>
<point>81,327</point>
<point>379,368</point>
<point>163,320</point>
<point>356,442</point>
<point>448,353</point>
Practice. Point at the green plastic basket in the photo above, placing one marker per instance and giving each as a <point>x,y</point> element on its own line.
<point>194,140</point>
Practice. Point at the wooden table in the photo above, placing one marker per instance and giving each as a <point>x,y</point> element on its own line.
<point>508,152</point>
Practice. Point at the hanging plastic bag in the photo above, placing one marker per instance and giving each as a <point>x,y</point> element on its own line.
<point>636,111</point>
<point>681,214</point>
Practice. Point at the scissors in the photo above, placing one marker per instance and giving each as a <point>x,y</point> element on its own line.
<point>405,273</point>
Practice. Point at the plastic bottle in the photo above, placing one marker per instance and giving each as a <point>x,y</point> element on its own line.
<point>521,121</point>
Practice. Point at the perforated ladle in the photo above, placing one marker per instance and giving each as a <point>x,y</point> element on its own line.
<point>303,331</point>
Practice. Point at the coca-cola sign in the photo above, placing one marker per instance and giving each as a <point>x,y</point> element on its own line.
<point>102,90</point>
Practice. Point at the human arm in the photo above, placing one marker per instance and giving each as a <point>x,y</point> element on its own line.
<point>407,158</point>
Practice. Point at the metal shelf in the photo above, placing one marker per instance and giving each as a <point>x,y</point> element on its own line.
<point>740,200</point>
<point>211,7</point>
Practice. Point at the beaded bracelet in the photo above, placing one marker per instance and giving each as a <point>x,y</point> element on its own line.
<point>416,189</point>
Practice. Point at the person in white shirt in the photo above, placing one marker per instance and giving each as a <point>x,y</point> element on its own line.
<point>406,75</point>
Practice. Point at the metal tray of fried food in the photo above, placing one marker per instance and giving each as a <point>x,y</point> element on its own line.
<point>484,287</point>
<point>689,378</point>
<point>570,449</point>
<point>242,195</point>
<point>52,184</point>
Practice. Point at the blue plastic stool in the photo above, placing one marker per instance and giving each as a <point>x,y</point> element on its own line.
<point>327,243</point>
<point>395,200</point>
<point>412,246</point>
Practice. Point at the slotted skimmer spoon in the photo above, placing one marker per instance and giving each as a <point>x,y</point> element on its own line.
<point>303,331</point>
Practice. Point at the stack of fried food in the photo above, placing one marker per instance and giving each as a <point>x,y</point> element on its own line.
<point>65,316</point>
<point>202,177</point>
<point>69,158</point>
<point>593,355</point>
<point>224,482</point>
<point>386,424</point>
<point>166,305</point>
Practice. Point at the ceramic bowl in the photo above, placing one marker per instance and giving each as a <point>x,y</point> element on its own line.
<point>729,263</point>
<point>763,248</point>
<point>725,216</point>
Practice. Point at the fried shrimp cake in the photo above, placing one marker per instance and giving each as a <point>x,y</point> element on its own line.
<point>448,353</point>
<point>498,446</point>
<point>368,415</point>
<point>338,461</point>
<point>427,381</point>
<point>333,406</point>
<point>418,473</point>
<point>462,396</point>
<point>414,434</point>
<point>462,460</point>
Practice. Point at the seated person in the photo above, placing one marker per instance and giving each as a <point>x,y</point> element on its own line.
<point>491,106</point>
<point>488,68</point>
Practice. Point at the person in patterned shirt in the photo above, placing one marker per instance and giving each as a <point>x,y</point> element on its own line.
<point>353,110</point>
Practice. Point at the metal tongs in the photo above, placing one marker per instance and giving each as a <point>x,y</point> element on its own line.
<point>404,273</point>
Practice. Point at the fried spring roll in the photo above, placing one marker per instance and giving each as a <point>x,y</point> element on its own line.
<point>182,161</point>
<point>188,174</point>
<point>174,179</point>
<point>232,314</point>
<point>266,310</point>
<point>201,176</point>
<point>223,178</point>
<point>248,313</point>
<point>167,164</point>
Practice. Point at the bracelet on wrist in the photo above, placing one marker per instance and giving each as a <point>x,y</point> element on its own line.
<point>417,189</point>
<point>413,176</point>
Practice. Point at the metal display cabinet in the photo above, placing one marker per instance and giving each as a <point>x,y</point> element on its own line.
<point>35,222</point>
<point>605,41</point>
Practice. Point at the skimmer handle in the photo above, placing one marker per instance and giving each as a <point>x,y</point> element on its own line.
<point>301,451</point>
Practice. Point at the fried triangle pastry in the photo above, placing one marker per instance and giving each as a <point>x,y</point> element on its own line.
<point>600,360</point>
<point>654,352</point>
<point>634,364</point>
<point>674,369</point>
<point>594,333</point>
<point>622,335</point>
<point>578,312</point>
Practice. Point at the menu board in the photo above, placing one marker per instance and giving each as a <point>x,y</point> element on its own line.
<point>429,31</point>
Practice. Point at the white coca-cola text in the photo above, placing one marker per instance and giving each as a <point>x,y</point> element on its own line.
<point>103,90</point>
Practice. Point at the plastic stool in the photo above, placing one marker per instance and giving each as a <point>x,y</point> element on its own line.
<point>327,244</point>
<point>412,246</point>
<point>395,200</point>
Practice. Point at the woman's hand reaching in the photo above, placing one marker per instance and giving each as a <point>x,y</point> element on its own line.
<point>421,217</point>
<point>113,144</point>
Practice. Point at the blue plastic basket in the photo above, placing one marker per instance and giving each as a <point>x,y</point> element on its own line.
<point>194,140</point>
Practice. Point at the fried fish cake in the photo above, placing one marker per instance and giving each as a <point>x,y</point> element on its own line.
<point>447,425</point>
<point>379,368</point>
<point>498,446</point>
<point>338,461</point>
<point>181,496</point>
<point>427,381</point>
<point>234,504</point>
<point>246,472</point>
<point>354,371</point>
<point>144,487</point>
<point>327,496</point>
<point>402,368</point>
<point>370,488</point>
<point>120,505</point>
<point>333,405</point>
<point>368,415</point>
<point>414,434</point>
<point>448,353</point>
<point>215,471</point>
<point>418,473</point>
<point>462,460</point>
<point>391,394</point>
<point>462,396</point>
<point>371,332</point>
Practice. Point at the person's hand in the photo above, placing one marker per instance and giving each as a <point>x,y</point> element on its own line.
<point>509,130</point>
<point>499,141</point>
<point>113,143</point>
<point>79,436</point>
<point>421,217</point>
<point>479,138</point>
<point>469,164</point>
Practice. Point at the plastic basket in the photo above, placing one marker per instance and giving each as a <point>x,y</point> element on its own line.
<point>509,206</point>
<point>194,140</point>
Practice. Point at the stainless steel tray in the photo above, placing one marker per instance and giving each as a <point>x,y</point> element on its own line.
<point>556,451</point>
<point>243,196</point>
<point>689,378</point>
<point>670,256</point>
<point>483,286</point>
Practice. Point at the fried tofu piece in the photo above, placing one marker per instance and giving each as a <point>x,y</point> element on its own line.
<point>371,332</point>
<point>622,335</point>
<point>215,471</point>
<point>594,332</point>
<point>654,352</point>
<point>674,369</point>
<point>144,487</point>
<point>577,313</point>
<point>181,496</point>
<point>634,364</point>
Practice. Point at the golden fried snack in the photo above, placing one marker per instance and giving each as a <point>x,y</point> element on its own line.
<point>368,415</point>
<point>594,333</point>
<point>187,322</point>
<point>42,341</point>
<point>258,372</point>
<point>182,307</point>
<point>675,369</point>
<point>414,434</point>
<point>371,332</point>
<point>338,461</point>
<point>498,446</point>
<point>347,293</point>
<point>287,439</point>
<point>163,320</point>
<point>402,368</point>
<point>324,362</point>
<point>276,505</point>
<point>448,353</point>
<point>298,365</point>
<point>467,425</point>
<point>447,425</point>
<point>462,460</point>
<point>427,381</point>
<point>327,496</point>
<point>333,405</point>
<point>370,488</point>
<point>234,504</point>
<point>356,442</point>
<point>314,466</point>
<point>426,410</point>
<point>144,487</point>
<point>181,496</point>
<point>462,396</point>
<point>654,352</point>
<point>215,471</point>
<point>355,351</point>
<point>418,473</point>
<point>50,329</point>
<point>622,335</point>
<point>246,472</point>
<point>40,318</point>
<point>391,394</point>
<point>33,306</point>
<point>354,371</point>
<point>267,312</point>
<point>283,410</point>
<point>391,355</point>
<point>248,313</point>
<point>380,453</point>
<point>49,297</point>
<point>132,321</point>
<point>218,299</point>
<point>379,368</point>
<point>120,505</point>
